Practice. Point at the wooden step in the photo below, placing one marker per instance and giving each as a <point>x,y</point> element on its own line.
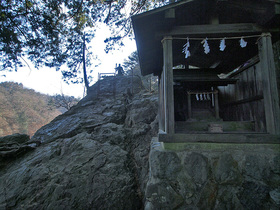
<point>226,126</point>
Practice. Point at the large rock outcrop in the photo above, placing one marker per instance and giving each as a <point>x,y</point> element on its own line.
<point>94,156</point>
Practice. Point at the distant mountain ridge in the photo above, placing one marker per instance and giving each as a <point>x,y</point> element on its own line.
<point>23,110</point>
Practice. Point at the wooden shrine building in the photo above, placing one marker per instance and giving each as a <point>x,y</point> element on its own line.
<point>218,65</point>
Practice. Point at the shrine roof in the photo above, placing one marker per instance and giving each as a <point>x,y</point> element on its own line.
<point>195,19</point>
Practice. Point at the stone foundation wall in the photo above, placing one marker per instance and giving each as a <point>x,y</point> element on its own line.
<point>213,176</point>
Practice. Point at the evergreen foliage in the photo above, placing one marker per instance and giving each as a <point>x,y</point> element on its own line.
<point>51,32</point>
<point>132,67</point>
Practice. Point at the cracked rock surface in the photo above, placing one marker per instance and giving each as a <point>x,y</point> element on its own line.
<point>95,156</point>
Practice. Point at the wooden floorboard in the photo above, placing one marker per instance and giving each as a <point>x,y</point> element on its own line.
<point>236,138</point>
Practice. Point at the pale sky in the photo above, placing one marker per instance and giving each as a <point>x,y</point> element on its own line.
<point>49,81</point>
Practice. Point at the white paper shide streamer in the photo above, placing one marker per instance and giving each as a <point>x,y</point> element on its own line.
<point>206,46</point>
<point>223,45</point>
<point>186,49</point>
<point>243,43</point>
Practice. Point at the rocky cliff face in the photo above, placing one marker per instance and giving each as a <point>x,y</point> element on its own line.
<point>95,156</point>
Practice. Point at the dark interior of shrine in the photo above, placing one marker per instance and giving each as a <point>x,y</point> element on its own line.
<point>198,102</point>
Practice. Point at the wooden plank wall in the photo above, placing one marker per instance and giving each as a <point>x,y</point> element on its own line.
<point>243,101</point>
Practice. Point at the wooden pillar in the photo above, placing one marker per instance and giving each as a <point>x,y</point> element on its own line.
<point>270,92</point>
<point>189,106</point>
<point>217,115</point>
<point>161,104</point>
<point>168,84</point>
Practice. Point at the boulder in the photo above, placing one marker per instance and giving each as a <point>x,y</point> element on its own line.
<point>14,146</point>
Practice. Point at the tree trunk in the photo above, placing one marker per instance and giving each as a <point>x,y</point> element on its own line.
<point>84,65</point>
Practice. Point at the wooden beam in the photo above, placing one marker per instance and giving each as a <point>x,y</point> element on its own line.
<point>239,28</point>
<point>233,138</point>
<point>243,101</point>
<point>269,83</point>
<point>168,85</point>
